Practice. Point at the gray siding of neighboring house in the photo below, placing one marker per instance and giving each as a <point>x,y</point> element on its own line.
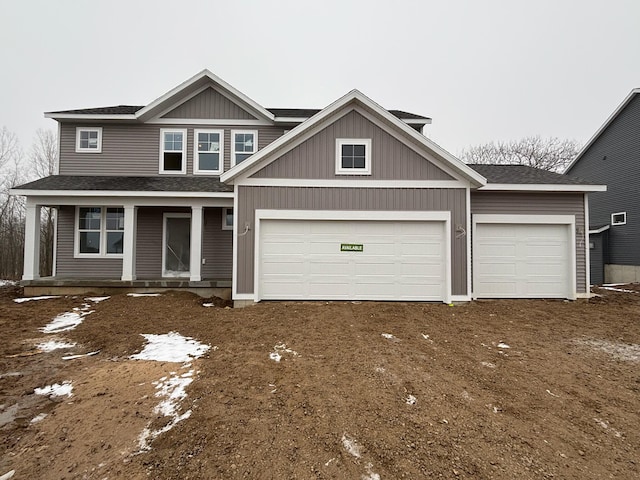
<point>209,104</point>
<point>315,158</point>
<point>134,149</point>
<point>67,265</point>
<point>614,160</point>
<point>508,203</point>
<point>296,198</point>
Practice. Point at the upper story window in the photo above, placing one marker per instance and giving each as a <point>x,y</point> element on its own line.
<point>173,151</point>
<point>244,143</point>
<point>353,156</point>
<point>208,152</point>
<point>89,139</point>
<point>619,218</point>
<point>99,231</point>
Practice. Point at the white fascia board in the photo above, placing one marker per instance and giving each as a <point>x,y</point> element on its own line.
<point>602,128</point>
<point>599,230</point>
<point>117,193</point>
<point>287,120</point>
<point>522,187</point>
<point>133,201</point>
<point>147,111</point>
<point>524,218</point>
<point>92,117</point>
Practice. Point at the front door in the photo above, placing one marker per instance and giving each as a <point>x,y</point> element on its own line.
<point>176,252</point>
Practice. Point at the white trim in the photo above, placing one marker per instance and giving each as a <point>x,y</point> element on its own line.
<point>214,122</point>
<point>460,298</point>
<point>354,215</point>
<point>288,120</point>
<point>92,117</point>
<point>584,295</point>
<point>624,220</point>
<point>547,187</point>
<point>120,193</point>
<point>599,230</point>
<point>224,218</point>
<point>129,243</point>
<point>366,142</point>
<point>234,266</point>
<point>161,168</point>
<point>233,144</point>
<point>364,182</point>
<point>168,273</point>
<point>55,242</point>
<point>31,270</point>
<point>587,253</point>
<point>195,241</point>
<point>196,152</point>
<point>56,170</point>
<point>137,201</point>
<point>79,149</point>
<point>603,127</point>
<point>244,296</point>
<point>102,253</point>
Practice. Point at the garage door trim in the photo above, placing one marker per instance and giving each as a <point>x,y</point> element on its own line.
<point>354,215</point>
<point>568,220</point>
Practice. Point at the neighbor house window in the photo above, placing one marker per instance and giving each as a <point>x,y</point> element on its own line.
<point>244,143</point>
<point>89,139</point>
<point>619,218</point>
<point>209,150</point>
<point>99,231</point>
<point>173,151</point>
<point>353,156</point>
<point>227,218</point>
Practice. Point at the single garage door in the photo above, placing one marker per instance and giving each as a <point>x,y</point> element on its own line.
<point>352,260</point>
<point>522,261</point>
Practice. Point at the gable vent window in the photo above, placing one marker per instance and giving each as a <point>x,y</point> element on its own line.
<point>353,156</point>
<point>89,139</point>
<point>173,151</point>
<point>244,143</point>
<point>619,218</point>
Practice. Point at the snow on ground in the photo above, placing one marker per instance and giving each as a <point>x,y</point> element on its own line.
<point>613,289</point>
<point>97,299</point>
<point>503,345</point>
<point>73,357</point>
<point>280,349</point>
<point>351,446</point>
<point>6,283</point>
<point>143,294</point>
<point>628,352</point>
<point>52,345</point>
<point>29,299</point>
<point>39,418</point>
<point>55,390</point>
<point>70,320</point>
<point>410,400</point>
<point>170,347</point>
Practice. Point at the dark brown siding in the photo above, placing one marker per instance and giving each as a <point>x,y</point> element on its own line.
<point>316,157</point>
<point>209,104</point>
<point>294,198</point>
<point>509,203</point>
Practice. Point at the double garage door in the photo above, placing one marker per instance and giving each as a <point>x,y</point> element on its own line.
<point>352,260</point>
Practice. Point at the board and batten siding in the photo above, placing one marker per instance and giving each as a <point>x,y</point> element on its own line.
<point>315,158</point>
<point>210,104</point>
<point>316,198</point>
<point>134,149</point>
<point>67,265</point>
<point>510,203</point>
<point>614,160</point>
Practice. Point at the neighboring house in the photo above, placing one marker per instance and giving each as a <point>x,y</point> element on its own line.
<point>612,157</point>
<point>204,189</point>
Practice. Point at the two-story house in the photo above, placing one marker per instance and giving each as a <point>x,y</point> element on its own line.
<point>204,189</point>
<point>612,157</point>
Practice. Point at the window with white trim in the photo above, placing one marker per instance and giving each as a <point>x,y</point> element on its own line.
<point>88,139</point>
<point>244,143</point>
<point>619,218</point>
<point>208,152</point>
<point>99,231</point>
<point>227,219</point>
<point>173,151</point>
<point>353,156</point>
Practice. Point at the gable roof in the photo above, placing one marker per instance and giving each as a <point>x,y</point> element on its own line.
<point>603,127</point>
<point>357,99</point>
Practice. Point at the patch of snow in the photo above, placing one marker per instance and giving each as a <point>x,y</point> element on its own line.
<point>275,356</point>
<point>11,374</point>
<point>52,345</point>
<point>371,475</point>
<point>388,336</point>
<point>411,400</point>
<point>73,357</point>
<point>207,304</point>
<point>4,283</point>
<point>170,347</point>
<point>380,369</point>
<point>612,289</point>
<point>39,418</point>
<point>8,475</point>
<point>63,322</point>
<point>488,364</point>
<point>143,294</point>
<point>620,351</point>
<point>351,446</point>
<point>503,345</point>
<point>97,299</point>
<point>280,349</point>
<point>55,390</point>
<point>29,299</point>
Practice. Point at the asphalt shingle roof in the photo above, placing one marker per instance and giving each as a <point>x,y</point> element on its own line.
<point>523,174</point>
<point>132,184</point>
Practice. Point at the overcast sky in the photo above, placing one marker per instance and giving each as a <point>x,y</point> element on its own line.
<point>483,70</point>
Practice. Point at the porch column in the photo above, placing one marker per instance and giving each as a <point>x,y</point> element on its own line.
<point>129,243</point>
<point>31,270</point>
<point>196,243</point>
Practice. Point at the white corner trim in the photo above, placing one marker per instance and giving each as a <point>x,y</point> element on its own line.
<point>234,262</point>
<point>523,187</point>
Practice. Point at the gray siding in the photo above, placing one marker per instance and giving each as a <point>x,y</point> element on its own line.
<point>67,265</point>
<point>294,198</point>
<point>134,149</point>
<point>316,157</point>
<point>508,203</point>
<point>210,104</point>
<point>217,247</point>
<point>614,160</point>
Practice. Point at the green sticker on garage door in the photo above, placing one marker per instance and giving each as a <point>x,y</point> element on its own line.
<point>351,247</point>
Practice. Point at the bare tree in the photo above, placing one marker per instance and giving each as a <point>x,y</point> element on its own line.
<point>551,153</point>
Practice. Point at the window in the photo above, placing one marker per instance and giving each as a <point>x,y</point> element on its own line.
<point>100,231</point>
<point>89,139</point>
<point>244,143</point>
<point>173,151</point>
<point>353,156</point>
<point>619,218</point>
<point>209,151</point>
<point>227,219</point>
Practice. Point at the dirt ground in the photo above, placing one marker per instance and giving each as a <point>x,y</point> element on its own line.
<point>362,390</point>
